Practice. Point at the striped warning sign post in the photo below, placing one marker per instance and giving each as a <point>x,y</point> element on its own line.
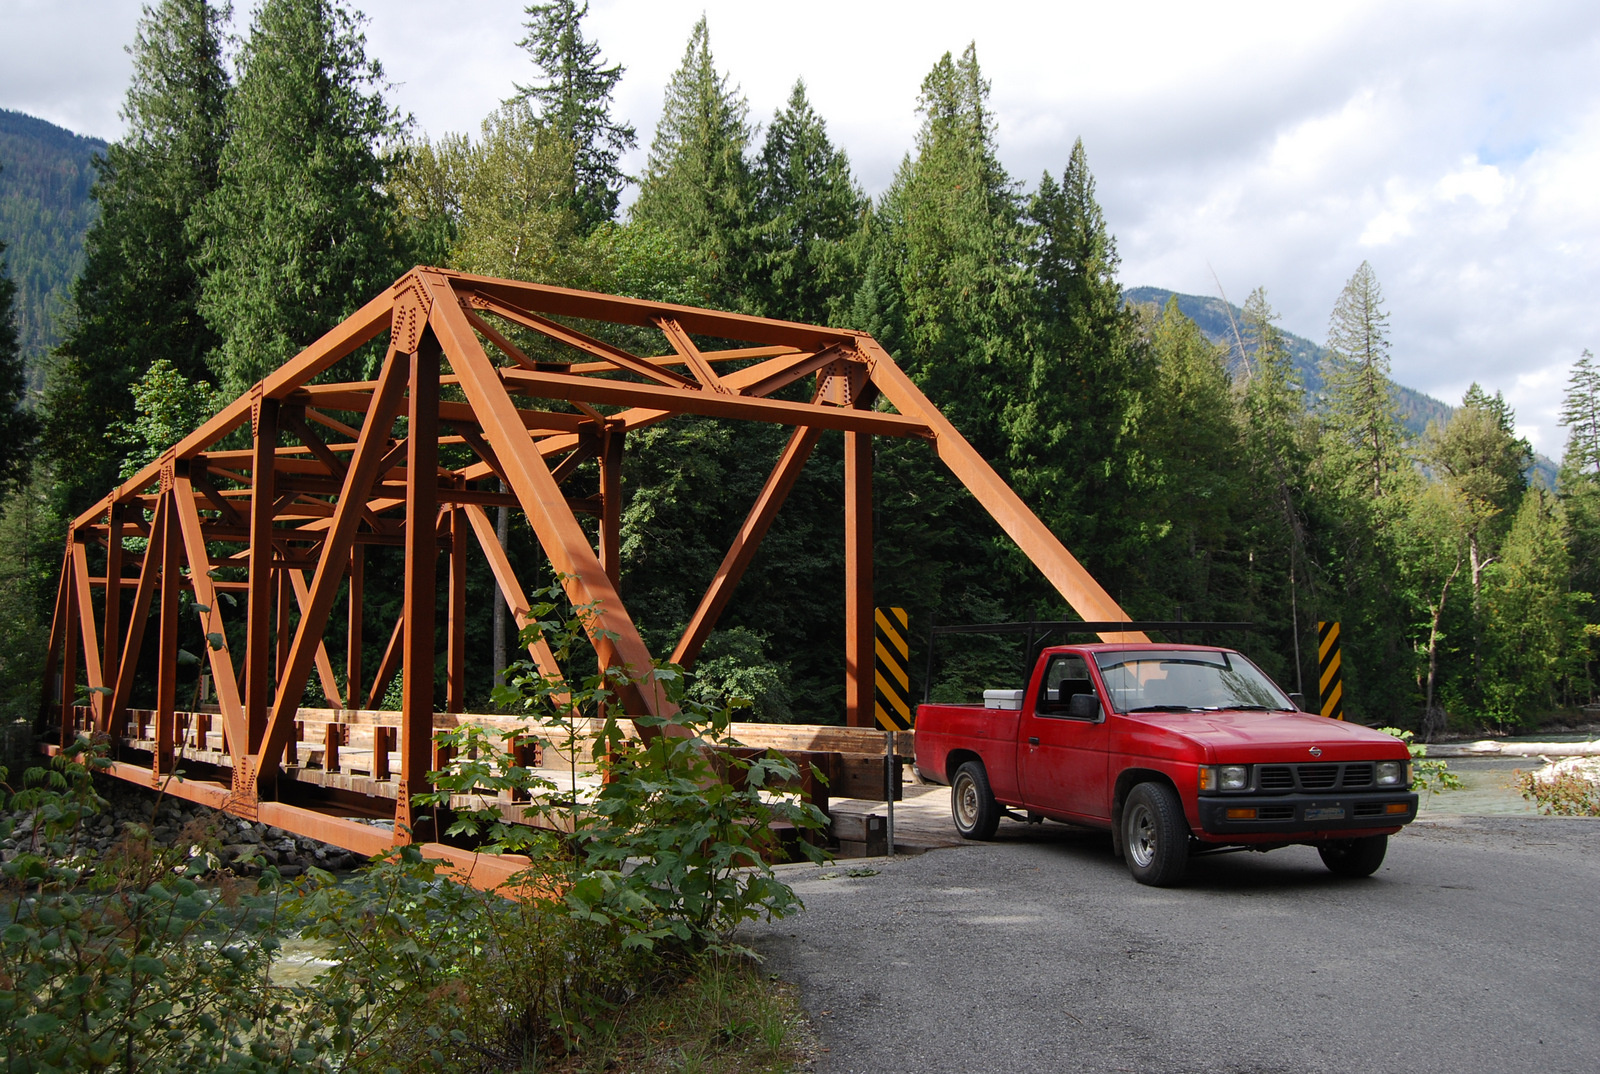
<point>1330,675</point>
<point>893,685</point>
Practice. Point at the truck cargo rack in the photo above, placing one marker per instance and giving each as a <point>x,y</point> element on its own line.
<point>1038,633</point>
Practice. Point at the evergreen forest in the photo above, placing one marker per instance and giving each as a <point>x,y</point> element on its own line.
<point>266,187</point>
<point>46,175</point>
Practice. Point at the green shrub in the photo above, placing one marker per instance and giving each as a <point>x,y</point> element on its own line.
<point>1431,776</point>
<point>433,975</point>
<point>144,961</point>
<point>130,963</point>
<point>1564,794</point>
<point>676,845</point>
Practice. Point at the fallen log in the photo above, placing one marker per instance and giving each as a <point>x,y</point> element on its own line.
<point>1491,748</point>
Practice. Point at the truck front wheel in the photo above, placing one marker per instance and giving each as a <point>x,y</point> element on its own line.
<point>972,803</point>
<point>1354,857</point>
<point>1155,837</point>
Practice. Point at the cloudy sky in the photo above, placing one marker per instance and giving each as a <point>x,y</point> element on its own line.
<point>1456,146</point>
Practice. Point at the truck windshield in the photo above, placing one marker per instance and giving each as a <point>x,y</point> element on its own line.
<point>1185,681</point>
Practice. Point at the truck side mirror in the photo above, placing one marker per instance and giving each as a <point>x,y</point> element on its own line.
<point>1299,702</point>
<point>1083,707</point>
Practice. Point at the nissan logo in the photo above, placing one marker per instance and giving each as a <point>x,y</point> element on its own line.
<point>1316,752</point>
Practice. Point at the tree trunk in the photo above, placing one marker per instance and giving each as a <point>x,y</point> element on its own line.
<point>1432,721</point>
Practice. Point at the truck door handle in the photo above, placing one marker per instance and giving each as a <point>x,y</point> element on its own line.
<point>1033,740</point>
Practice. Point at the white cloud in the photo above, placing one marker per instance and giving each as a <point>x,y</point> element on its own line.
<point>1483,183</point>
<point>1455,145</point>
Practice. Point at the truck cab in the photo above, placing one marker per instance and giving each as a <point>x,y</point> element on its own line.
<point>1174,749</point>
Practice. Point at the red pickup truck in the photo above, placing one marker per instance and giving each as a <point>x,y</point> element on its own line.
<point>1175,749</point>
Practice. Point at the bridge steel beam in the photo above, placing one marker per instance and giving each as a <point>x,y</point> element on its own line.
<point>496,381</point>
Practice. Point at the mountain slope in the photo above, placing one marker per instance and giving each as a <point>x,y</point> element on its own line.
<point>1219,320</point>
<point>45,209</point>
<point>1213,317</point>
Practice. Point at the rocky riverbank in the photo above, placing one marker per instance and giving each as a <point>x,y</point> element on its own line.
<point>237,846</point>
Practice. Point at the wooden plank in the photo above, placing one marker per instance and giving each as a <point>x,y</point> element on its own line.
<point>820,737</point>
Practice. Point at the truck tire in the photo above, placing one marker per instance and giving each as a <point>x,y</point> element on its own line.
<point>1354,857</point>
<point>1155,837</point>
<point>972,803</point>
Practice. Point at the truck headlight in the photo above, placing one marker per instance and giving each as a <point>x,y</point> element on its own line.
<point>1393,774</point>
<point>1227,777</point>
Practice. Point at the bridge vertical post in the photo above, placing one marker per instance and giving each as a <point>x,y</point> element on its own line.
<point>422,554</point>
<point>167,662</point>
<point>258,600</point>
<point>285,628</point>
<point>87,629</point>
<point>352,671</point>
<point>456,621</point>
<point>111,633</point>
<point>858,625</point>
<point>69,658</point>
<point>611,503</point>
<point>133,642</point>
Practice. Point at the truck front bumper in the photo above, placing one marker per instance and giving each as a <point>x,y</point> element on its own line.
<point>1302,813</point>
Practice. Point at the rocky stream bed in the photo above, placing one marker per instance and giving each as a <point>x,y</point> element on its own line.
<point>240,847</point>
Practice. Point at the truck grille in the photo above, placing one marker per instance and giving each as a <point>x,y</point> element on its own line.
<point>1272,778</point>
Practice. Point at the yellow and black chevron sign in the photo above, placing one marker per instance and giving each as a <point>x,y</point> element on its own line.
<point>894,714</point>
<point>1330,675</point>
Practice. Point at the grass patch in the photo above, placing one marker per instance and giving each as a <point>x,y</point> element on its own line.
<point>724,1015</point>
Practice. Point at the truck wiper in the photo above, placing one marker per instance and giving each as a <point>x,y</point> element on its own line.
<point>1164,708</point>
<point>1243,708</point>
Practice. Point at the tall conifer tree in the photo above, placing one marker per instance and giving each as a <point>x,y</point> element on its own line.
<point>809,216</point>
<point>1579,479</point>
<point>1281,586</point>
<point>300,230</point>
<point>1363,464</point>
<point>1580,416</point>
<point>948,233</point>
<point>696,185</point>
<point>941,291</point>
<point>1076,418</point>
<point>574,97</point>
<point>136,300</point>
<point>1191,511</point>
<point>1359,412</point>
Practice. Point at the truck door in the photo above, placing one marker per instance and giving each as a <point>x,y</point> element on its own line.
<point>1062,759</point>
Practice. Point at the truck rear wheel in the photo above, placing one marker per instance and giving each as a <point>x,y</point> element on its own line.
<point>972,803</point>
<point>1155,837</point>
<point>1354,857</point>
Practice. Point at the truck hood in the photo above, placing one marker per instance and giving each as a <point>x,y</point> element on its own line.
<point>1271,736</point>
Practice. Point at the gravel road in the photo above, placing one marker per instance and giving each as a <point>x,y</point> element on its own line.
<point>1472,949</point>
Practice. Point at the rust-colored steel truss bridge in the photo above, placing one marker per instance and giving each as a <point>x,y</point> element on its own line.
<point>327,473</point>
